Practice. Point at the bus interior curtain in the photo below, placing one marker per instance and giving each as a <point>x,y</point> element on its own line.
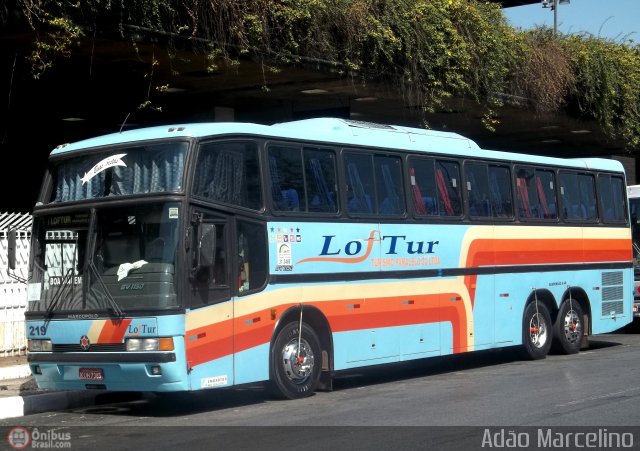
<point>276,190</point>
<point>523,194</point>
<point>542,197</point>
<point>137,177</point>
<point>421,208</point>
<point>444,192</point>
<point>321,185</point>
<point>70,185</point>
<point>359,202</point>
<point>228,177</point>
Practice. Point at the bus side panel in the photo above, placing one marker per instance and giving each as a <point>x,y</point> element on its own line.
<point>214,374</point>
<point>359,348</point>
<point>210,339</point>
<point>484,312</point>
<point>252,364</point>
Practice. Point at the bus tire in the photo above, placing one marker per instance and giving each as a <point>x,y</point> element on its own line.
<point>294,374</point>
<point>568,328</point>
<point>536,331</point>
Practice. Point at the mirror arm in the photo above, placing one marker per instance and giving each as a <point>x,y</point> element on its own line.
<point>15,277</point>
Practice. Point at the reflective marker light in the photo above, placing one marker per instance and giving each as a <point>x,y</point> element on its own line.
<point>39,345</point>
<point>149,344</point>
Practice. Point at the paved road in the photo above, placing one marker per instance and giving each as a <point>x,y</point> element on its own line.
<point>598,388</point>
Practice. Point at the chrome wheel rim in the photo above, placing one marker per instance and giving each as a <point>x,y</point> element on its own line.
<point>298,366</point>
<point>538,333</point>
<point>572,326</point>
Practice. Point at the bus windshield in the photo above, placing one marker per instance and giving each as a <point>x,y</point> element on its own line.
<point>119,172</point>
<point>123,260</point>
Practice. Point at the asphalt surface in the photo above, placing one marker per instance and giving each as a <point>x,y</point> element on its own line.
<point>20,396</point>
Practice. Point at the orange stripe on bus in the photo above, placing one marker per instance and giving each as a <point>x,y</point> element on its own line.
<point>483,252</point>
<point>113,331</point>
<point>215,341</point>
<point>521,251</point>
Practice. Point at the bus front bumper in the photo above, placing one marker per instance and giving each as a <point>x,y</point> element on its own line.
<point>144,371</point>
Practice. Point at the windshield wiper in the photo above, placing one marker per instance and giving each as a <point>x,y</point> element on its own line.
<point>58,294</point>
<point>117,311</point>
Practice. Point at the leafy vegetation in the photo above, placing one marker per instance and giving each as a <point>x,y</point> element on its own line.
<point>427,50</point>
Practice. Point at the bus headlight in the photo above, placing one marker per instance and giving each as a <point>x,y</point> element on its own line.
<point>39,345</point>
<point>149,344</point>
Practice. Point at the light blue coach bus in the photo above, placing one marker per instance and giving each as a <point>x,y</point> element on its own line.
<point>198,256</point>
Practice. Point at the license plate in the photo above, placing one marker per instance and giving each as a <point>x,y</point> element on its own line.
<point>91,374</point>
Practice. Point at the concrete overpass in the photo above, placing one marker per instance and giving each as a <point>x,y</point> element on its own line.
<point>98,90</point>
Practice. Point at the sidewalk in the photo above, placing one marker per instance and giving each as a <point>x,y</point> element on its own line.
<point>19,394</point>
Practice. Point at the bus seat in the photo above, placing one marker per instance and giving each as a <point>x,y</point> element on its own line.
<point>480,208</point>
<point>609,214</point>
<point>291,199</point>
<point>154,251</point>
<point>389,207</point>
<point>578,211</point>
<point>356,206</point>
<point>430,204</point>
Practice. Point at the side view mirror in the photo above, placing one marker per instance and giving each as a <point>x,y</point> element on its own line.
<point>11,248</point>
<point>206,252</point>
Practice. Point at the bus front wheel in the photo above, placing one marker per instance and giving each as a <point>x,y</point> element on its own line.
<point>568,329</point>
<point>296,362</point>
<point>536,331</point>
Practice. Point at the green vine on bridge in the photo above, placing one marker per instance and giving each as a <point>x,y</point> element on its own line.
<point>428,51</point>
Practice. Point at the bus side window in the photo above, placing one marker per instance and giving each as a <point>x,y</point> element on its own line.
<point>611,192</point>
<point>287,179</point>
<point>500,187</point>
<point>448,182</point>
<point>389,185</point>
<point>360,194</point>
<point>252,256</point>
<point>320,173</point>
<point>478,190</point>
<point>423,186</point>
<point>229,172</point>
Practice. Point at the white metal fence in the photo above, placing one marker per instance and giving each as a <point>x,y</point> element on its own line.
<point>13,294</point>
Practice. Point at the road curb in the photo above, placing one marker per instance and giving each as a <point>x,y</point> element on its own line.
<point>15,372</point>
<point>17,406</point>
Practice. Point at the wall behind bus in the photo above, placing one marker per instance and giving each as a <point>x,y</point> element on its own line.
<point>13,294</point>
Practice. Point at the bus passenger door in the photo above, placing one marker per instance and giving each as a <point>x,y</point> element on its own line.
<point>209,320</point>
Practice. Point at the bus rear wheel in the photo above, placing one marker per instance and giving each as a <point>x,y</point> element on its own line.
<point>536,331</point>
<point>295,362</point>
<point>568,328</point>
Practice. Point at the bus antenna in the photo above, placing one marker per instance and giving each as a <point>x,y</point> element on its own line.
<point>124,122</point>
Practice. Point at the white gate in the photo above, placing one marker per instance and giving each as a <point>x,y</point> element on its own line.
<point>13,294</point>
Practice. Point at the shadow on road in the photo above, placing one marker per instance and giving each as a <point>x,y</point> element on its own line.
<point>179,404</point>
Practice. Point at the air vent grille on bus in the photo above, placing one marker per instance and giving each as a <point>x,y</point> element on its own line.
<point>612,293</point>
<point>365,124</point>
<point>106,347</point>
<point>612,278</point>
